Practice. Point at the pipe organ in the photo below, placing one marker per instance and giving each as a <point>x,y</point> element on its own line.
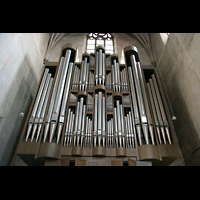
<point>98,108</point>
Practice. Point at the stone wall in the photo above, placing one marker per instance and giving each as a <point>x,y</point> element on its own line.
<point>178,60</point>
<point>21,65</point>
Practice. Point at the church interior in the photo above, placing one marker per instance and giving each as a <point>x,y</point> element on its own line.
<point>99,99</point>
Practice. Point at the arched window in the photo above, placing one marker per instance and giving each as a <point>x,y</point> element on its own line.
<point>96,39</point>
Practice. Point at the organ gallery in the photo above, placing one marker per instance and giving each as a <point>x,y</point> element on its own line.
<point>98,111</point>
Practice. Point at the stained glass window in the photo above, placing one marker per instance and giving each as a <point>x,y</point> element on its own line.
<point>103,39</point>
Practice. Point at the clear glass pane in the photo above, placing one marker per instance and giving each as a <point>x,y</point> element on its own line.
<point>109,42</point>
<point>89,46</point>
<point>108,47</point>
<point>91,41</point>
<point>100,42</point>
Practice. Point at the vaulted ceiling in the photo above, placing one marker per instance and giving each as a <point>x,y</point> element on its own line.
<point>143,38</point>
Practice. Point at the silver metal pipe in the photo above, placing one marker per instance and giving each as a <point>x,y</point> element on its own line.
<point>125,79</point>
<point>149,119</point>
<point>71,131</point>
<point>59,95</point>
<point>154,112</point>
<point>112,133</point>
<point>116,129</point>
<point>103,122</point>
<point>99,117</point>
<point>39,110</point>
<point>86,131</point>
<point>131,130</point>
<point>128,133</point>
<point>86,81</point>
<point>159,100</point>
<point>77,78</point>
<point>61,86</point>
<point>39,94</point>
<point>113,78</point>
<point>80,114</point>
<point>90,132</point>
<point>78,133</point>
<point>136,121</point>
<point>83,125</point>
<point>156,102</point>
<point>133,95</point>
<point>85,69</point>
<point>67,125</point>
<point>64,101</point>
<point>140,99</point>
<point>100,66</point>
<point>128,130</point>
<point>89,85</point>
<point>118,81</point>
<point>138,90</point>
<point>116,75</point>
<point>74,78</point>
<point>108,81</point>
<point>76,122</point>
<point>103,66</point>
<point>68,128</point>
<point>168,134</point>
<point>157,110</point>
<point>36,103</point>
<point>53,98</point>
<point>122,123</point>
<point>122,80</point>
<point>119,124</point>
<point>84,74</point>
<point>141,80</point>
<point>82,71</point>
<point>97,68</point>
<point>152,105</point>
<point>44,109</point>
<point>91,81</point>
<point>161,108</point>
<point>95,119</point>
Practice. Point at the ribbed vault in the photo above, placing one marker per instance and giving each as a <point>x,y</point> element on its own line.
<point>143,38</point>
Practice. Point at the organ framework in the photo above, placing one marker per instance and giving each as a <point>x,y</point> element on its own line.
<point>98,108</point>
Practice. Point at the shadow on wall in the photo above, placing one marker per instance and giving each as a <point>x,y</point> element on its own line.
<point>185,130</point>
<point>24,86</point>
